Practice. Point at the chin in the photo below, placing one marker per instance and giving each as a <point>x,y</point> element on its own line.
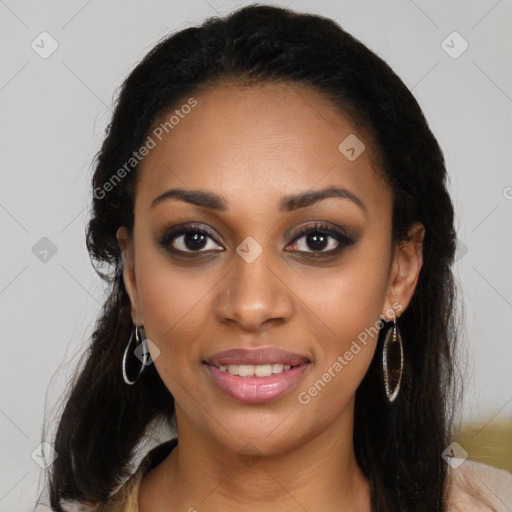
<point>267,435</point>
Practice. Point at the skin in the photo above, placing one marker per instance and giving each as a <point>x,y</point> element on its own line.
<point>253,145</point>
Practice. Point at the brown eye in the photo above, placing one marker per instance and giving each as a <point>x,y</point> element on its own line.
<point>321,239</point>
<point>189,239</point>
<point>316,241</point>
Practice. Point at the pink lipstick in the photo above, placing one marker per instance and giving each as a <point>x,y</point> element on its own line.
<point>258,375</point>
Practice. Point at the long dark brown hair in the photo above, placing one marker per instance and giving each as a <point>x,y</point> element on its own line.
<point>398,446</point>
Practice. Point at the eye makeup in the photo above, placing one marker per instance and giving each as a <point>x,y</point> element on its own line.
<point>182,240</point>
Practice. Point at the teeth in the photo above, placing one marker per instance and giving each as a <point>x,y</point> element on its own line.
<point>250,370</point>
<point>246,370</point>
<point>263,370</point>
<point>233,369</point>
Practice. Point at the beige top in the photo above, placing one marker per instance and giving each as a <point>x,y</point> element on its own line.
<point>473,486</point>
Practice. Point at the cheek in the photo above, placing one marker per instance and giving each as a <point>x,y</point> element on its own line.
<point>344,318</point>
<point>346,300</point>
<point>173,301</point>
<point>343,351</point>
<point>174,310</point>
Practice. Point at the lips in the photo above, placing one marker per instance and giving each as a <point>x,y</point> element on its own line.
<point>259,356</point>
<point>243,374</point>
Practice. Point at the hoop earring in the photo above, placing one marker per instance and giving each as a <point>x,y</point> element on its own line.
<point>140,352</point>
<point>392,351</point>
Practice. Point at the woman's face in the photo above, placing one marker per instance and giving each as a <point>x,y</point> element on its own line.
<point>245,280</point>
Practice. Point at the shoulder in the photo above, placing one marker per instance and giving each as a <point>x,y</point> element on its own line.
<point>477,487</point>
<point>125,498</point>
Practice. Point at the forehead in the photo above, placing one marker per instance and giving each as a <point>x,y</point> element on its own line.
<point>262,142</point>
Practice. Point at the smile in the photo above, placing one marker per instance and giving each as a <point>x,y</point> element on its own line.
<point>251,370</point>
<point>256,376</point>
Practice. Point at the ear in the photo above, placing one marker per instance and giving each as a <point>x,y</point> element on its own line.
<point>404,274</point>
<point>125,241</point>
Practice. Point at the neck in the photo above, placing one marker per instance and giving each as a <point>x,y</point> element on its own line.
<point>319,474</point>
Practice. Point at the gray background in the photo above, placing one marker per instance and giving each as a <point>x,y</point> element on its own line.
<point>54,112</point>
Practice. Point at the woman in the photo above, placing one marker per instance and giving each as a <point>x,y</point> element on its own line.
<point>272,205</point>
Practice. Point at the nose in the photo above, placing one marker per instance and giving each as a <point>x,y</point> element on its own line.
<point>253,295</point>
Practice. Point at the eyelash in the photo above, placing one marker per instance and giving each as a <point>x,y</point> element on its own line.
<point>342,239</point>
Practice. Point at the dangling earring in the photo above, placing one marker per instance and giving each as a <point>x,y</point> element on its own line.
<point>141,353</point>
<point>392,353</point>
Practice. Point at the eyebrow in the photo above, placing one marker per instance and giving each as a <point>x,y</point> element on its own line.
<point>288,203</point>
